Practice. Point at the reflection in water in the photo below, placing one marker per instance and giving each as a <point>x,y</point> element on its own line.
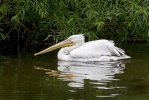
<point>99,74</point>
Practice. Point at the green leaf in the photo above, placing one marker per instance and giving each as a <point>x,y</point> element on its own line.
<point>49,35</point>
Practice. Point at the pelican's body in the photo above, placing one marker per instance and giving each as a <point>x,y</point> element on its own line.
<point>78,50</point>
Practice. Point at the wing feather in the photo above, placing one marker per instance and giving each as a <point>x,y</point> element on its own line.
<point>95,49</point>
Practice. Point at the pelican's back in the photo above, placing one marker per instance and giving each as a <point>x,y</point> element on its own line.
<point>96,49</point>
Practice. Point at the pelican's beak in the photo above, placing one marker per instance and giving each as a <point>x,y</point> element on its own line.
<point>67,42</point>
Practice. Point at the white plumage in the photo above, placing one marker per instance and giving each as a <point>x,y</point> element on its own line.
<point>78,50</point>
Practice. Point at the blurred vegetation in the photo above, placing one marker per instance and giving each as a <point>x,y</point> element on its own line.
<point>41,20</point>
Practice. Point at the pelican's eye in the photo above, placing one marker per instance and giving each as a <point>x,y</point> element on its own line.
<point>70,38</point>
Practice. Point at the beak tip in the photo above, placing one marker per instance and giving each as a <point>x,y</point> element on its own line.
<point>35,54</point>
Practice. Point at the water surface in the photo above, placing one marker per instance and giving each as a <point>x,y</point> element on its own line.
<point>44,77</point>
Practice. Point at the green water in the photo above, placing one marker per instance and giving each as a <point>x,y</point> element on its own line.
<point>44,78</point>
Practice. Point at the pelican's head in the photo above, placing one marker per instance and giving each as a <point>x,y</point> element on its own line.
<point>71,41</point>
<point>77,39</point>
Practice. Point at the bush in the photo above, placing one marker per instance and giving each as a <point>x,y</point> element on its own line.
<point>58,19</point>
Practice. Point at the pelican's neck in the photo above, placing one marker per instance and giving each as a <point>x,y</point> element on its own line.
<point>63,54</point>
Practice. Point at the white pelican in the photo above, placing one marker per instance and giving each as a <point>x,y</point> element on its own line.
<point>78,50</point>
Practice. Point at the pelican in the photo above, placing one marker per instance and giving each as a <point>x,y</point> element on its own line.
<point>75,49</point>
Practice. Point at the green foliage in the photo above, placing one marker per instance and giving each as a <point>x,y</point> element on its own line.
<point>58,19</point>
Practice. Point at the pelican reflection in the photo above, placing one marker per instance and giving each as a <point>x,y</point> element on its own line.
<point>97,72</point>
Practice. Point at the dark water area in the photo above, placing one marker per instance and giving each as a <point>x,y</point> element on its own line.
<point>43,77</point>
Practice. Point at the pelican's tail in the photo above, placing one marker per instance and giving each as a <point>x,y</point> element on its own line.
<point>120,58</point>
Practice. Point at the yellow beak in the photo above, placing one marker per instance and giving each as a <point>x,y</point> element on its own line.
<point>56,46</point>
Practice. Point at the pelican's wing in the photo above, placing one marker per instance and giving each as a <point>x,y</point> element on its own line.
<point>95,49</point>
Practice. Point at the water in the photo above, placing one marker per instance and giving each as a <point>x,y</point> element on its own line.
<point>44,78</point>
